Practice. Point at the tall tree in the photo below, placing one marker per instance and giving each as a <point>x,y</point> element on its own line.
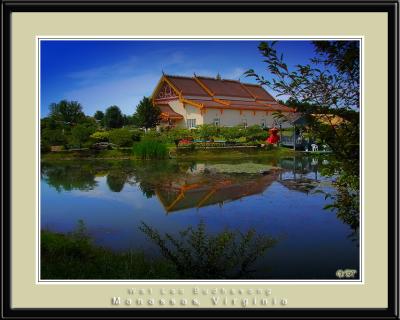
<point>66,112</point>
<point>113,118</point>
<point>146,115</point>
<point>99,115</point>
<point>329,87</point>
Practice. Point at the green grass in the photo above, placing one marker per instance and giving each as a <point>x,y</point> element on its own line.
<point>74,256</point>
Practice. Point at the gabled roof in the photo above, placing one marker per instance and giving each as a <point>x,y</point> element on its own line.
<point>227,88</point>
<point>187,86</point>
<point>206,92</point>
<point>258,92</point>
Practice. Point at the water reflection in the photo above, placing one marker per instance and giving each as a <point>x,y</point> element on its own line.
<point>276,197</point>
<point>183,185</point>
<point>70,176</point>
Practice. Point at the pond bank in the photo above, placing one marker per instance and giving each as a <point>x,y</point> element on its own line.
<point>74,256</point>
<point>199,154</point>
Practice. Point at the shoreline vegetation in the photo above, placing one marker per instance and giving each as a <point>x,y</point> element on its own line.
<point>178,153</point>
<point>193,254</point>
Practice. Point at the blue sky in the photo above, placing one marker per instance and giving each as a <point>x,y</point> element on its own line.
<point>102,73</point>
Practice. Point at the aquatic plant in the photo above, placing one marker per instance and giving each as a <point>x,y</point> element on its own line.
<point>246,167</point>
<point>150,149</point>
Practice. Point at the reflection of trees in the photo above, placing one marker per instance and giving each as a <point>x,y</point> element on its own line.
<point>168,178</point>
<point>147,189</point>
<point>150,174</point>
<point>69,176</point>
<point>116,180</point>
<point>346,196</point>
<point>198,255</point>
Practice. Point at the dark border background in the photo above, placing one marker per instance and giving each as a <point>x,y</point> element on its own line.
<point>391,7</point>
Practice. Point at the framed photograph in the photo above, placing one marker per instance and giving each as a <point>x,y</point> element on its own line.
<point>197,159</point>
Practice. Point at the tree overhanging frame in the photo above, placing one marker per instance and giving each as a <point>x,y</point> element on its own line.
<point>390,7</point>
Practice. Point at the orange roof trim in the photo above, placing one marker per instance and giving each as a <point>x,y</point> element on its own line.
<point>206,92</point>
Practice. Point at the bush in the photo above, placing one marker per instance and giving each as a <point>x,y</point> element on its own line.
<point>197,254</point>
<point>232,133</point>
<point>206,131</point>
<point>52,137</point>
<point>100,136</point>
<point>153,135</point>
<point>136,134</point>
<point>255,132</point>
<point>241,140</point>
<point>121,137</point>
<point>80,134</point>
<point>176,134</point>
<point>150,149</point>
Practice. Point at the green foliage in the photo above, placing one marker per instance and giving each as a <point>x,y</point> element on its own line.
<point>74,256</point>
<point>136,134</point>
<point>207,131</point>
<point>344,55</point>
<point>232,133</point>
<point>146,115</point>
<point>128,120</point>
<point>154,135</point>
<point>53,132</point>
<point>150,149</point>
<point>52,137</point>
<point>255,132</point>
<point>113,118</point>
<point>121,137</point>
<point>99,115</point>
<point>198,255</point>
<point>69,177</point>
<point>100,136</point>
<point>66,112</point>
<point>80,134</point>
<point>326,88</point>
<point>116,180</point>
<point>176,134</point>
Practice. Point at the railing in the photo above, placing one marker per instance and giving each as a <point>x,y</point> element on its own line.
<point>287,141</point>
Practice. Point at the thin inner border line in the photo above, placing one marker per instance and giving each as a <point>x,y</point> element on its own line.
<point>359,281</point>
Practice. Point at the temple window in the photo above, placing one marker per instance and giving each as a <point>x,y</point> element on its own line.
<point>191,123</point>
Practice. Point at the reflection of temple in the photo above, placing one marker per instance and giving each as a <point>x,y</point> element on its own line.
<point>201,191</point>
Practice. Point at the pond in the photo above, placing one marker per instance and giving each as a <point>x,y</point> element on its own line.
<point>279,197</point>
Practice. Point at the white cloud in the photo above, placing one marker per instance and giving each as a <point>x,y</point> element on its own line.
<point>125,93</point>
<point>125,83</point>
<point>235,74</point>
<point>93,75</point>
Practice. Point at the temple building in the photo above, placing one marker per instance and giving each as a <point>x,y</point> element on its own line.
<point>187,102</point>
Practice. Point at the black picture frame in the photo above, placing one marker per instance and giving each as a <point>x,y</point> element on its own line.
<point>390,7</point>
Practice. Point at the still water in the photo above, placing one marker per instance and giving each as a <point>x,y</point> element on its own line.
<point>278,197</point>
